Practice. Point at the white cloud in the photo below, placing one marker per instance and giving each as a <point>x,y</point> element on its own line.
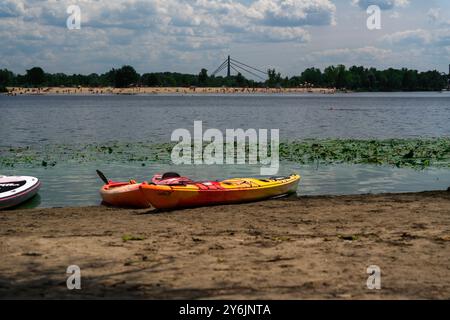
<point>185,34</point>
<point>180,13</point>
<point>434,14</point>
<point>349,55</point>
<point>441,37</point>
<point>409,37</point>
<point>276,34</point>
<point>383,4</point>
<point>11,8</point>
<point>201,23</point>
<point>420,37</point>
<point>293,12</point>
<point>394,15</point>
<point>436,17</point>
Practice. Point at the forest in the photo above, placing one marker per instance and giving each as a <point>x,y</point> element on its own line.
<point>355,78</point>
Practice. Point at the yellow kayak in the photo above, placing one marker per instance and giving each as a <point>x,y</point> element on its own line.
<point>177,192</point>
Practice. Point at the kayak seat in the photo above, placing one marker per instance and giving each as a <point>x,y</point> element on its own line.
<point>170,179</point>
<point>169,175</point>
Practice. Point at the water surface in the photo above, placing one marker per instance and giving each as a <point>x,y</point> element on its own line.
<point>37,121</point>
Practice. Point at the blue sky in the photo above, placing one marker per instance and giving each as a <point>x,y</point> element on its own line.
<point>186,35</point>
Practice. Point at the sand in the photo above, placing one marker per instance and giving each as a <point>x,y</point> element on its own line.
<point>295,248</point>
<point>15,91</point>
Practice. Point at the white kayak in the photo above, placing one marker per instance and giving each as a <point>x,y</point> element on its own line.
<point>16,190</point>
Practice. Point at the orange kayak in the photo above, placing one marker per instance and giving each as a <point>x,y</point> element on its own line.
<point>124,194</point>
<point>194,194</point>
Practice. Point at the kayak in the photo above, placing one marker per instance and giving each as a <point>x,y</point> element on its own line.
<point>124,194</point>
<point>16,190</point>
<point>172,192</point>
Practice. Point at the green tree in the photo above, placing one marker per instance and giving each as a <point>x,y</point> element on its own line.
<point>381,81</point>
<point>311,76</point>
<point>372,79</point>
<point>35,76</point>
<point>342,77</point>
<point>432,80</point>
<point>394,79</point>
<point>150,80</point>
<point>356,78</point>
<point>240,80</point>
<point>274,78</point>
<point>125,76</point>
<point>170,80</point>
<point>330,75</point>
<point>409,81</point>
<point>203,77</point>
<point>6,79</point>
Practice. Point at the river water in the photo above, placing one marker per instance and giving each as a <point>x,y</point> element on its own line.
<point>36,121</point>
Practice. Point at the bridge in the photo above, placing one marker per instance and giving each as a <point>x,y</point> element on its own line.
<point>239,67</point>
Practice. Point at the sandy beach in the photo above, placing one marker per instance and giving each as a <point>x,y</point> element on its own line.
<point>295,248</point>
<point>160,90</point>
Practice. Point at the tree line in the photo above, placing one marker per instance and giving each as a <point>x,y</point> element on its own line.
<point>356,78</point>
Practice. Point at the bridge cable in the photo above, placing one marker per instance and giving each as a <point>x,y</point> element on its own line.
<point>220,68</point>
<point>248,66</point>
<point>248,71</point>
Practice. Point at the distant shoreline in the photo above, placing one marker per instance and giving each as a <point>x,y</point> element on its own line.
<point>83,91</point>
<point>16,91</point>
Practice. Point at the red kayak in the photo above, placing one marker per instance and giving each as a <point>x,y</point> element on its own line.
<point>171,191</point>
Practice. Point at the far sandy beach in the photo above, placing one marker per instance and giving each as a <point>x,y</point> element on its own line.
<point>295,248</point>
<point>160,90</point>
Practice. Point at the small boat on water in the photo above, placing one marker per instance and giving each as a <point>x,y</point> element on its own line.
<point>16,190</point>
<point>171,191</point>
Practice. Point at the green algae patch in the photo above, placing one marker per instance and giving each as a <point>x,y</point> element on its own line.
<point>403,153</point>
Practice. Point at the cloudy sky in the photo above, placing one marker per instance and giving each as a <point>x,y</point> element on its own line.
<point>186,35</point>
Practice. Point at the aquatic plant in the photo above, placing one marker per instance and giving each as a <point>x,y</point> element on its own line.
<point>413,153</point>
<point>404,153</point>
